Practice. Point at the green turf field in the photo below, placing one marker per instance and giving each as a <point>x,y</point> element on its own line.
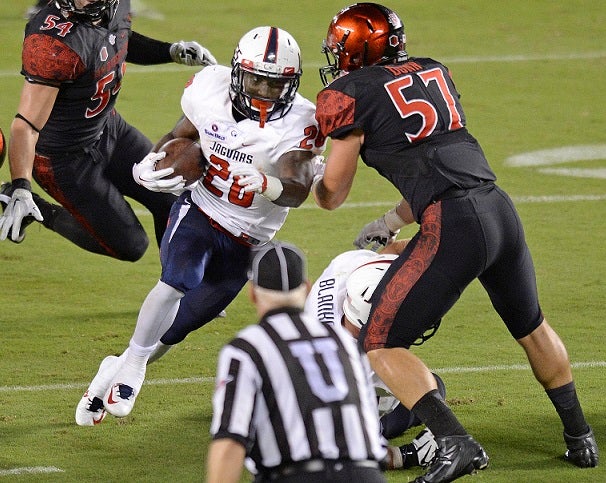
<point>531,78</point>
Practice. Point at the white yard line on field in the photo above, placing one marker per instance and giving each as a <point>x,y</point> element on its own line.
<point>516,199</point>
<point>30,470</point>
<point>523,58</point>
<point>209,380</point>
<point>512,367</point>
<point>314,65</point>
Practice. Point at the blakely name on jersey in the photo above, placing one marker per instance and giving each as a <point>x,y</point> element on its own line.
<point>326,301</point>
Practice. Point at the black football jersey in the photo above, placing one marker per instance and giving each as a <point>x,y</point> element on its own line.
<point>413,124</point>
<point>86,63</point>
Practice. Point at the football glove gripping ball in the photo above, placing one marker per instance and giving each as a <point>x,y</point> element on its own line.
<point>145,174</point>
<point>191,53</point>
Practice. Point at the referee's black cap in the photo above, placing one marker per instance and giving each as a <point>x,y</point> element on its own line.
<point>278,266</point>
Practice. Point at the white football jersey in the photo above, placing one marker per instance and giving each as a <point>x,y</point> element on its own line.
<point>325,302</point>
<point>206,103</point>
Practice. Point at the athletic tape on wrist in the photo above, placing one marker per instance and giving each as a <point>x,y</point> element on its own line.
<point>273,188</point>
<point>393,220</point>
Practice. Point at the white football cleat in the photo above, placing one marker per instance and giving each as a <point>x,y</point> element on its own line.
<point>90,410</point>
<point>124,389</point>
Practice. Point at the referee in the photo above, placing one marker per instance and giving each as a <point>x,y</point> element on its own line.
<point>292,396</point>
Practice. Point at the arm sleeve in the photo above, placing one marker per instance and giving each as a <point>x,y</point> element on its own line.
<point>147,51</point>
<point>335,113</point>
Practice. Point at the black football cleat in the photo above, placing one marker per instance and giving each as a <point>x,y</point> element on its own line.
<point>582,450</point>
<point>456,456</point>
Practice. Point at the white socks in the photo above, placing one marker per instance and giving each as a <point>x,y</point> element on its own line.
<point>156,315</point>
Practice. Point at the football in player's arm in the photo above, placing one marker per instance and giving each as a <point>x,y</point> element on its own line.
<point>262,148</point>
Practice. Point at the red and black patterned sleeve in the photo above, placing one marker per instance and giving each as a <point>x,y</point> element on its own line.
<point>335,112</point>
<point>49,61</point>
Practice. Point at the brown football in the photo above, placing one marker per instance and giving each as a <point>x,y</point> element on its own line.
<point>185,156</point>
<point>2,148</point>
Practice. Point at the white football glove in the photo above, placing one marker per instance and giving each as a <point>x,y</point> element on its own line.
<point>318,165</point>
<point>251,179</point>
<point>380,232</point>
<point>425,445</point>
<point>20,205</point>
<point>145,174</point>
<point>191,53</point>
<point>376,234</point>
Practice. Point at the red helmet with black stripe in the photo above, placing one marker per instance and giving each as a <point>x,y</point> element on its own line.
<point>361,35</point>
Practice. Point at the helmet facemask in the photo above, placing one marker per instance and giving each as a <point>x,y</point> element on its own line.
<point>362,35</point>
<point>265,76</point>
<point>332,58</point>
<point>262,96</point>
<point>101,11</point>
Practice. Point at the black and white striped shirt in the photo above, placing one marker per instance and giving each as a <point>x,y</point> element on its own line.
<point>292,389</point>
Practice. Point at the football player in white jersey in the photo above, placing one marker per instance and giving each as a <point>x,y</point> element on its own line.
<point>339,297</point>
<point>262,146</point>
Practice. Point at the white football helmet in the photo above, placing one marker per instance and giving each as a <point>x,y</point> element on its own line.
<point>266,69</point>
<point>360,286</point>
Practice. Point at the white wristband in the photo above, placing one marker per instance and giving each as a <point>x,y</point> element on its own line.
<point>274,188</point>
<point>393,220</point>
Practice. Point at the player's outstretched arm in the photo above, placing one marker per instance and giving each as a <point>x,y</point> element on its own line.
<point>147,51</point>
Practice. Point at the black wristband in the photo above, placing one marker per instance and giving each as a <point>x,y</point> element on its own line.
<point>21,183</point>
